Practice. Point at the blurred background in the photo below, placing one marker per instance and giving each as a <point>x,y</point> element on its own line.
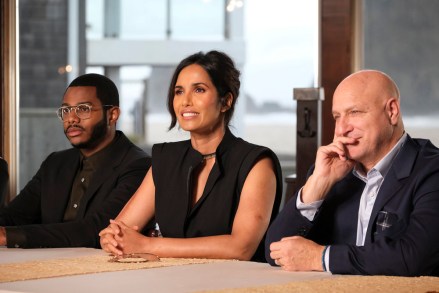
<point>275,44</point>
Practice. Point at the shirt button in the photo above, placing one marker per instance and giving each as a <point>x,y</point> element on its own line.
<point>302,231</point>
<point>75,205</point>
<point>82,179</point>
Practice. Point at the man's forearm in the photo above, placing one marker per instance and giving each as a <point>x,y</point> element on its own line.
<point>315,189</point>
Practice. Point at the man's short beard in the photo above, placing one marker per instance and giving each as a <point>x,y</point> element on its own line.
<point>97,136</point>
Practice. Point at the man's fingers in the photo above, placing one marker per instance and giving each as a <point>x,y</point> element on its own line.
<point>275,254</point>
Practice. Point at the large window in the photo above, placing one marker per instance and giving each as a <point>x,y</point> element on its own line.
<point>138,43</point>
<point>401,38</point>
<point>274,44</point>
<point>281,54</point>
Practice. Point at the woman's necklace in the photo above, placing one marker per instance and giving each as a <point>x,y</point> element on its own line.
<point>209,156</point>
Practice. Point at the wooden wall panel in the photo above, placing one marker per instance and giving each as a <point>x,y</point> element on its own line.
<point>2,65</point>
<point>8,89</point>
<point>337,26</point>
<point>336,62</point>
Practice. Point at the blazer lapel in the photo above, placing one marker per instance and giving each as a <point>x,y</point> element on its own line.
<point>401,168</point>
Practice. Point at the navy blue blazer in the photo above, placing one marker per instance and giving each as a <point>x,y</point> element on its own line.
<point>410,196</point>
<point>38,210</point>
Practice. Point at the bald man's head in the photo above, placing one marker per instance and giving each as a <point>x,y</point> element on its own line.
<point>366,106</point>
<point>368,81</point>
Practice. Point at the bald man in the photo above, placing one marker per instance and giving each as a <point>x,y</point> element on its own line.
<point>370,205</point>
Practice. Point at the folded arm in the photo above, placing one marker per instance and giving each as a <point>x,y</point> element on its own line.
<point>249,226</point>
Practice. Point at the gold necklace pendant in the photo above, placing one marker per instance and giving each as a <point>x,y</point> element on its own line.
<point>209,156</point>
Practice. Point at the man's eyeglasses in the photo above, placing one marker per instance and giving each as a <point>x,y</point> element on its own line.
<point>82,111</point>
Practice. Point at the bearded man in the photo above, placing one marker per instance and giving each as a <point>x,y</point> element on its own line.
<point>77,191</point>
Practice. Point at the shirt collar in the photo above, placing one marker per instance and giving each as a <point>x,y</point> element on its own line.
<point>383,166</point>
<point>96,159</point>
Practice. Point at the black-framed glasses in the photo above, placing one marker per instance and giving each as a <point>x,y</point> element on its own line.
<point>82,111</point>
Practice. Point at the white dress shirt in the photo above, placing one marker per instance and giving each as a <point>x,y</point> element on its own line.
<point>373,179</point>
